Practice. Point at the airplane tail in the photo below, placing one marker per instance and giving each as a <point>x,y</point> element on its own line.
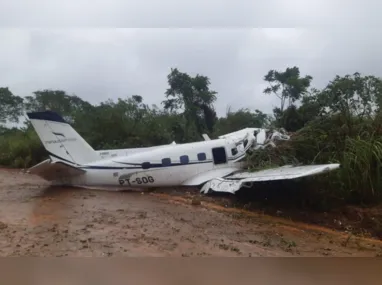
<point>61,141</point>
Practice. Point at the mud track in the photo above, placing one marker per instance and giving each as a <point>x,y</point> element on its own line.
<point>38,220</point>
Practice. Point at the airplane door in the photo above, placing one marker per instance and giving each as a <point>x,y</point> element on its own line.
<point>219,155</point>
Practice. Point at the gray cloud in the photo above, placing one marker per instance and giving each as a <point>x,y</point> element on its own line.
<point>102,63</point>
<point>192,13</point>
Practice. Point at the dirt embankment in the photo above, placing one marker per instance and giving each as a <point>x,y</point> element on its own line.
<point>37,220</point>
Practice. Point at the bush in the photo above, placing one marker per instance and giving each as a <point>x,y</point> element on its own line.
<point>21,149</point>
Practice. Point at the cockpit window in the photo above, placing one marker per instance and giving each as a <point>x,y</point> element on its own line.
<point>234,151</point>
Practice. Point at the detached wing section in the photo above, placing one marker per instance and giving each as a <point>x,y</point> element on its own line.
<point>235,182</point>
<point>55,171</point>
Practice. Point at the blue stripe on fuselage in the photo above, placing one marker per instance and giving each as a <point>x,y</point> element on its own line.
<point>154,165</point>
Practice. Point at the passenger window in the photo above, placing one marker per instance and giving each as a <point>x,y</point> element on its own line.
<point>234,151</point>
<point>202,156</point>
<point>184,159</point>
<point>146,165</point>
<point>166,161</point>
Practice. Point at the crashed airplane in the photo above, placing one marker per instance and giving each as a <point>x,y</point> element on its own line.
<point>213,164</point>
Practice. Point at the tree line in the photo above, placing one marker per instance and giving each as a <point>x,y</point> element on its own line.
<point>342,123</point>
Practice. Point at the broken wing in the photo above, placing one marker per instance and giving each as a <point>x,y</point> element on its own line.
<point>234,182</point>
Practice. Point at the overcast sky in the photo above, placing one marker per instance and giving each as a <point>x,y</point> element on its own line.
<point>98,61</point>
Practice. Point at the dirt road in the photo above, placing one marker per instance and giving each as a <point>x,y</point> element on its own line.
<point>36,220</point>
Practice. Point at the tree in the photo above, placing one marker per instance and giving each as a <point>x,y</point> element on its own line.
<point>353,95</point>
<point>11,106</point>
<point>295,117</point>
<point>193,95</point>
<point>287,85</point>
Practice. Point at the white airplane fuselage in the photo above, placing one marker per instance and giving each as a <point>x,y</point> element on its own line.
<point>169,165</point>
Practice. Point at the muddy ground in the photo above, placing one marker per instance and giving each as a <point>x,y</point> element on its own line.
<point>38,220</point>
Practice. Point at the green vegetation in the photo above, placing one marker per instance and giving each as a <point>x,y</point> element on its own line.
<point>340,123</point>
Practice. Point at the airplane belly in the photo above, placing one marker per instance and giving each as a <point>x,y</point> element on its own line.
<point>102,177</point>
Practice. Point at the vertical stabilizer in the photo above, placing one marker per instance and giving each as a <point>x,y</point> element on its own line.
<point>60,140</point>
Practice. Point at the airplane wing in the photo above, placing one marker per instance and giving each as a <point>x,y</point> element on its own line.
<point>51,171</point>
<point>234,182</point>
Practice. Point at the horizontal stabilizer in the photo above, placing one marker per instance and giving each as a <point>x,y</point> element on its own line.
<point>55,171</point>
<point>235,182</point>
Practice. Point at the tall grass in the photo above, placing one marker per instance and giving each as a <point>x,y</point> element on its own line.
<point>361,166</point>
